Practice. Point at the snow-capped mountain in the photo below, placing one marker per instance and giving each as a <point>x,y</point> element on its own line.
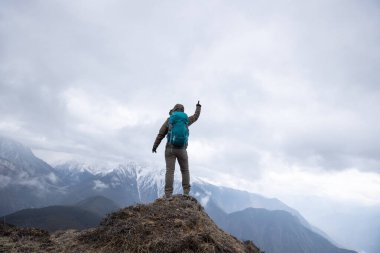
<point>19,164</point>
<point>24,175</point>
<point>26,181</point>
<point>126,183</point>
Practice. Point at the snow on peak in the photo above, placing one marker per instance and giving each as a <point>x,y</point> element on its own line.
<point>15,150</point>
<point>82,166</point>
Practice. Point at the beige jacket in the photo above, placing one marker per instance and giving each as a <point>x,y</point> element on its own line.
<point>165,127</point>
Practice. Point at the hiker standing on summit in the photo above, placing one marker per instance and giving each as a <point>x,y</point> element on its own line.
<point>176,129</point>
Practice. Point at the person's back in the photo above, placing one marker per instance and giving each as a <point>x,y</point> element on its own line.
<point>176,129</point>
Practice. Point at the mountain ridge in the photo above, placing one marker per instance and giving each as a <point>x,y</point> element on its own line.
<point>277,231</point>
<point>178,224</point>
<point>130,184</point>
<point>53,218</point>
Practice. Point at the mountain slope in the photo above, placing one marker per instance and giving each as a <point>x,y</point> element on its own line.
<point>84,214</point>
<point>274,231</point>
<point>25,180</point>
<point>277,232</point>
<point>231,200</point>
<point>53,218</point>
<point>98,204</point>
<point>126,184</point>
<point>171,225</point>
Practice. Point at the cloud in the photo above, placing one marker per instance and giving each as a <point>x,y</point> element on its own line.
<point>52,177</point>
<point>350,185</point>
<point>204,200</point>
<point>4,181</point>
<point>298,186</point>
<point>281,84</point>
<point>99,185</point>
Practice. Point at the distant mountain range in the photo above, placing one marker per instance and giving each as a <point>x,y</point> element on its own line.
<point>231,200</point>
<point>53,218</point>
<point>84,214</point>
<point>277,231</point>
<point>28,182</point>
<point>98,205</point>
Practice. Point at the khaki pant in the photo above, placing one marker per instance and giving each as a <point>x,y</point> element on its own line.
<point>171,154</point>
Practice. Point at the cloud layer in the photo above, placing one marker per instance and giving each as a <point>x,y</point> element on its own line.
<point>291,84</point>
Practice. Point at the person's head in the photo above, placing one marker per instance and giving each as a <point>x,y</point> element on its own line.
<point>177,108</point>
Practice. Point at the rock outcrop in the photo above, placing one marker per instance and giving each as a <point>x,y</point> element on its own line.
<point>177,224</point>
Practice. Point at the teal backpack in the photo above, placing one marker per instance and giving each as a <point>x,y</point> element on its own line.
<point>178,133</point>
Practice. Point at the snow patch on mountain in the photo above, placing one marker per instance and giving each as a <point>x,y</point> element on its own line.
<point>13,149</point>
<point>74,166</point>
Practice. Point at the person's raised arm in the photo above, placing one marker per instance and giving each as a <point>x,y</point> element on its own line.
<point>161,134</point>
<point>195,116</point>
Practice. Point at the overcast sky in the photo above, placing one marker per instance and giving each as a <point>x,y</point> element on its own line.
<point>290,90</point>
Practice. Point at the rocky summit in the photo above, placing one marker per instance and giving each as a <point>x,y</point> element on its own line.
<point>176,224</point>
